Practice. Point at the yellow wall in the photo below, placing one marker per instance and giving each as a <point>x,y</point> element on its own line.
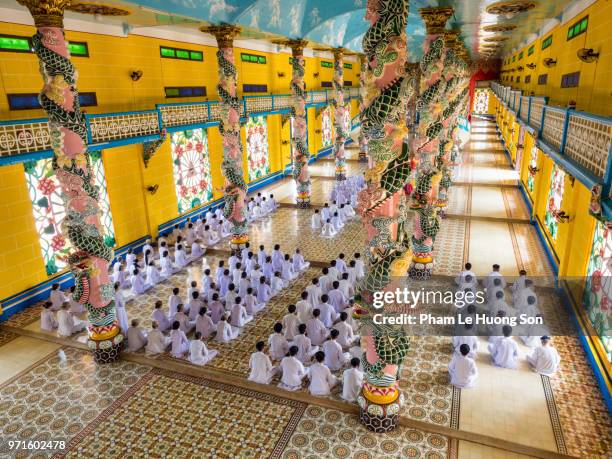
<point>595,86</point>
<point>21,262</point>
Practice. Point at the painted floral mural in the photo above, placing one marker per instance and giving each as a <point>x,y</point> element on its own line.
<point>531,169</point>
<point>49,209</point>
<point>327,131</point>
<point>347,119</point>
<point>598,290</point>
<point>555,197</point>
<point>257,147</point>
<point>481,101</point>
<point>191,165</point>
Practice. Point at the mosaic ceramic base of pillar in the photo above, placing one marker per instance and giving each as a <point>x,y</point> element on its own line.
<point>379,407</point>
<point>106,351</point>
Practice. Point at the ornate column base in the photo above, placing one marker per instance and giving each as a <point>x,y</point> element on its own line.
<point>237,243</point>
<point>421,267</point>
<point>379,407</point>
<point>108,350</point>
<point>303,201</point>
<point>363,157</point>
<point>340,176</point>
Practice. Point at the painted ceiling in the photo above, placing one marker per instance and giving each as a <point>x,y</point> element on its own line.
<point>336,23</point>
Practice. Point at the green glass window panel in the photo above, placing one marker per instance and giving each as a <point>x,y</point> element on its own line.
<point>167,52</point>
<point>547,42</point>
<point>348,66</point>
<point>244,57</point>
<point>583,24</point>
<point>530,50</point>
<point>520,55</point>
<point>196,56</point>
<point>172,92</point>
<point>14,44</point>
<point>513,58</point>
<point>326,64</point>
<point>78,49</point>
<point>261,59</point>
<point>182,54</point>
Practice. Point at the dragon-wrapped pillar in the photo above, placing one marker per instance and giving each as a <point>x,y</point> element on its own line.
<point>383,208</point>
<point>339,114</point>
<point>90,257</point>
<point>299,133</point>
<point>426,143</point>
<point>235,187</point>
<point>363,142</point>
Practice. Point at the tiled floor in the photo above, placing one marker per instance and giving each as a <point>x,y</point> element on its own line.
<point>113,408</point>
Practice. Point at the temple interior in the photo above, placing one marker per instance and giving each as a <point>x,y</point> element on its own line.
<point>204,204</point>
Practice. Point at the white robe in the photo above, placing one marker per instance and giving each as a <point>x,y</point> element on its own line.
<point>47,320</point>
<point>304,311</point>
<point>157,343</point>
<point>153,276</point>
<point>204,325</point>
<point>293,373</point>
<point>544,360</point>
<point>199,353</point>
<point>335,359</point>
<point>321,379</point>
<point>180,343</point>
<point>180,258</point>
<point>298,263</point>
<point>471,341</point>
<point>463,372</point>
<point>173,302</point>
<point>317,332</point>
<point>68,325</point>
<point>328,230</point>
<point>504,352</point>
<point>261,368</point>
<point>347,337</point>
<point>328,314</point>
<point>305,348</point>
<point>278,346</point>
<point>122,318</point>
<point>352,379</point>
<point>315,221</point>
<point>167,267</point>
<point>137,339</point>
<point>196,251</point>
<point>239,316</point>
<point>225,332</point>
<point>183,319</point>
<point>290,326</point>
<point>75,307</point>
<point>314,294</point>
<point>162,319</point>
<point>57,298</point>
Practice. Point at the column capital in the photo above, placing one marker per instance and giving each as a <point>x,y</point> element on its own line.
<point>338,53</point>
<point>435,18</point>
<point>224,33</point>
<point>451,38</point>
<point>46,13</point>
<point>297,46</point>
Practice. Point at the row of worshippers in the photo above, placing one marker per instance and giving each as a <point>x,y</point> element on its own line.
<point>219,309</point>
<point>503,348</point>
<point>331,226</point>
<point>261,207</point>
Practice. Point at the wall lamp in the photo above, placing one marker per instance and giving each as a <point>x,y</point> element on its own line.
<point>153,188</point>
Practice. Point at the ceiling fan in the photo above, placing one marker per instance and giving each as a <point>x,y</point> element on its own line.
<point>549,62</point>
<point>587,55</point>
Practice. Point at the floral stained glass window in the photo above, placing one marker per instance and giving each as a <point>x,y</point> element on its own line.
<point>326,128</point>
<point>555,197</point>
<point>192,176</point>
<point>481,101</point>
<point>49,209</point>
<point>347,120</point>
<point>257,147</point>
<point>598,290</point>
<point>531,169</point>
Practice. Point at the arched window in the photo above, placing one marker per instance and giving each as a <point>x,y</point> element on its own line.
<point>257,147</point>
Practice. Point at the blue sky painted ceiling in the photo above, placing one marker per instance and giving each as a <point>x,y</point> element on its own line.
<point>336,22</point>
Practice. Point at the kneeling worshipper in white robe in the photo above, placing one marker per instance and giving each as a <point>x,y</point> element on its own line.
<point>225,332</point>
<point>306,349</point>
<point>173,301</point>
<point>461,279</point>
<point>287,272</point>
<point>462,369</point>
<point>278,343</point>
<point>209,237</point>
<point>136,337</point>
<point>519,283</point>
<point>352,379</point>
<point>534,333</point>
<point>272,203</point>
<point>298,262</point>
<point>199,354</point>
<point>504,352</point>
<point>277,283</point>
<point>47,318</point>
<point>321,378</point>
<point>291,322</point>
<point>157,343</point>
<point>152,274</point>
<point>526,302</point>
<point>261,367</point>
<point>139,286</point>
<point>251,304</point>
<point>194,305</point>
<point>204,323</point>
<point>316,330</point>
<point>160,317</point>
<point>292,371</point>
<point>185,324</point>
<point>196,250</point>
<point>336,297</point>
<point>264,292</point>
<point>328,314</point>
<point>180,257</point>
<point>238,315</point>
<point>335,359</point>
<point>314,292</point>
<point>68,325</point>
<point>303,308</point>
<point>346,336</point>
<point>75,306</point>
<point>167,267</point>
<point>226,228</point>
<point>120,276</point>
<point>57,297</point>
<point>359,266</point>
<point>328,229</point>
<point>488,281</point>
<point>180,343</point>
<point>544,359</point>
<point>191,234</point>
<point>337,222</point>
<point>316,221</point>
<point>465,335</point>
<point>244,284</point>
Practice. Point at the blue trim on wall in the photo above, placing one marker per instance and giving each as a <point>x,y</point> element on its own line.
<point>24,158</point>
<point>527,201</point>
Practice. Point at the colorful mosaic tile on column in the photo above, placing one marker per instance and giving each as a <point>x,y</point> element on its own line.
<point>299,134</point>
<point>235,188</point>
<point>363,143</point>
<point>90,256</point>
<point>426,143</point>
<point>382,206</point>
<point>339,109</point>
